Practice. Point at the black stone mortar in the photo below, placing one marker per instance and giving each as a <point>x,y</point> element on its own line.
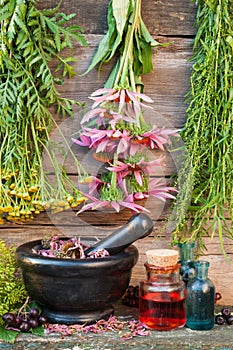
<point>83,290</point>
<point>76,290</point>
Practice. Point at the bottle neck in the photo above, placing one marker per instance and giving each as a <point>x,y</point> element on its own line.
<point>201,268</point>
<point>186,251</point>
<point>169,274</point>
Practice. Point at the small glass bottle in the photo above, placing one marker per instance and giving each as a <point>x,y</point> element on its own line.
<point>200,299</point>
<point>162,296</point>
<point>187,269</point>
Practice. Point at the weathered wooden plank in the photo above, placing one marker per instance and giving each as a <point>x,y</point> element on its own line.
<point>175,17</point>
<point>172,17</point>
<point>160,238</point>
<point>22,233</point>
<point>170,160</point>
<point>158,210</point>
<point>167,86</point>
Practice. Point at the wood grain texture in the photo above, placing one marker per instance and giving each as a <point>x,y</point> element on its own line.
<point>167,85</point>
<point>174,17</point>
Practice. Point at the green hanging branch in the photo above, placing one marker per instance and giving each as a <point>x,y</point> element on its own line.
<point>30,39</point>
<point>207,175</point>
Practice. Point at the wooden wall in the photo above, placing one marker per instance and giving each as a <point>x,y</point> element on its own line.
<point>168,21</point>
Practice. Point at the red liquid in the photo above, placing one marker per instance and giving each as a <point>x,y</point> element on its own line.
<point>162,311</point>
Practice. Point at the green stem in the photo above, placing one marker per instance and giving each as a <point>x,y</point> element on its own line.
<point>127,56</point>
<point>114,175</point>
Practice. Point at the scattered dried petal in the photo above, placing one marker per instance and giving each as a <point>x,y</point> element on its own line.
<point>126,329</point>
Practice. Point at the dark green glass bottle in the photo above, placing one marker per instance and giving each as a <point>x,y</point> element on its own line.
<point>200,299</point>
<point>186,261</point>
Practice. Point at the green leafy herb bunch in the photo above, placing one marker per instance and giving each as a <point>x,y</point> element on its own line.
<point>206,179</point>
<point>30,39</point>
<point>12,290</point>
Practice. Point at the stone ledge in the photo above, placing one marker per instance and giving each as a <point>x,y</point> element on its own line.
<point>218,338</point>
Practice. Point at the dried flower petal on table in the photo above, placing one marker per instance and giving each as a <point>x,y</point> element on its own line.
<point>126,329</point>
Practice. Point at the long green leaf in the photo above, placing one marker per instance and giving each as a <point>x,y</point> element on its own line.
<point>120,13</point>
<point>100,54</point>
<point>146,35</point>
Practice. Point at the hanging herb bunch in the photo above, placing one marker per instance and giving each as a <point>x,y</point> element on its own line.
<point>207,175</point>
<point>30,39</point>
<point>115,128</point>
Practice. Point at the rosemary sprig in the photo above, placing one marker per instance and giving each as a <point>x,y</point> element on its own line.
<point>30,39</point>
<point>207,175</point>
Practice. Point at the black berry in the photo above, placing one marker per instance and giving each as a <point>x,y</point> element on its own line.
<point>130,298</point>
<point>226,311</point>
<point>42,320</point>
<point>33,323</point>
<point>25,326</point>
<point>8,318</point>
<point>17,322</point>
<point>229,320</point>
<point>34,313</point>
<point>220,319</point>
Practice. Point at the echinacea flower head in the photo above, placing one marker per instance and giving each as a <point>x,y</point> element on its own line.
<point>157,137</point>
<point>137,168</point>
<point>158,188</point>
<point>103,196</point>
<point>107,118</point>
<point>109,140</point>
<point>115,199</point>
<point>121,97</point>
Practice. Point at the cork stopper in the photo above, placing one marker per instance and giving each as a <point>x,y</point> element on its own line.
<point>162,257</point>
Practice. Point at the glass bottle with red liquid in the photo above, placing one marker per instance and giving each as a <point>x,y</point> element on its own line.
<point>162,296</point>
